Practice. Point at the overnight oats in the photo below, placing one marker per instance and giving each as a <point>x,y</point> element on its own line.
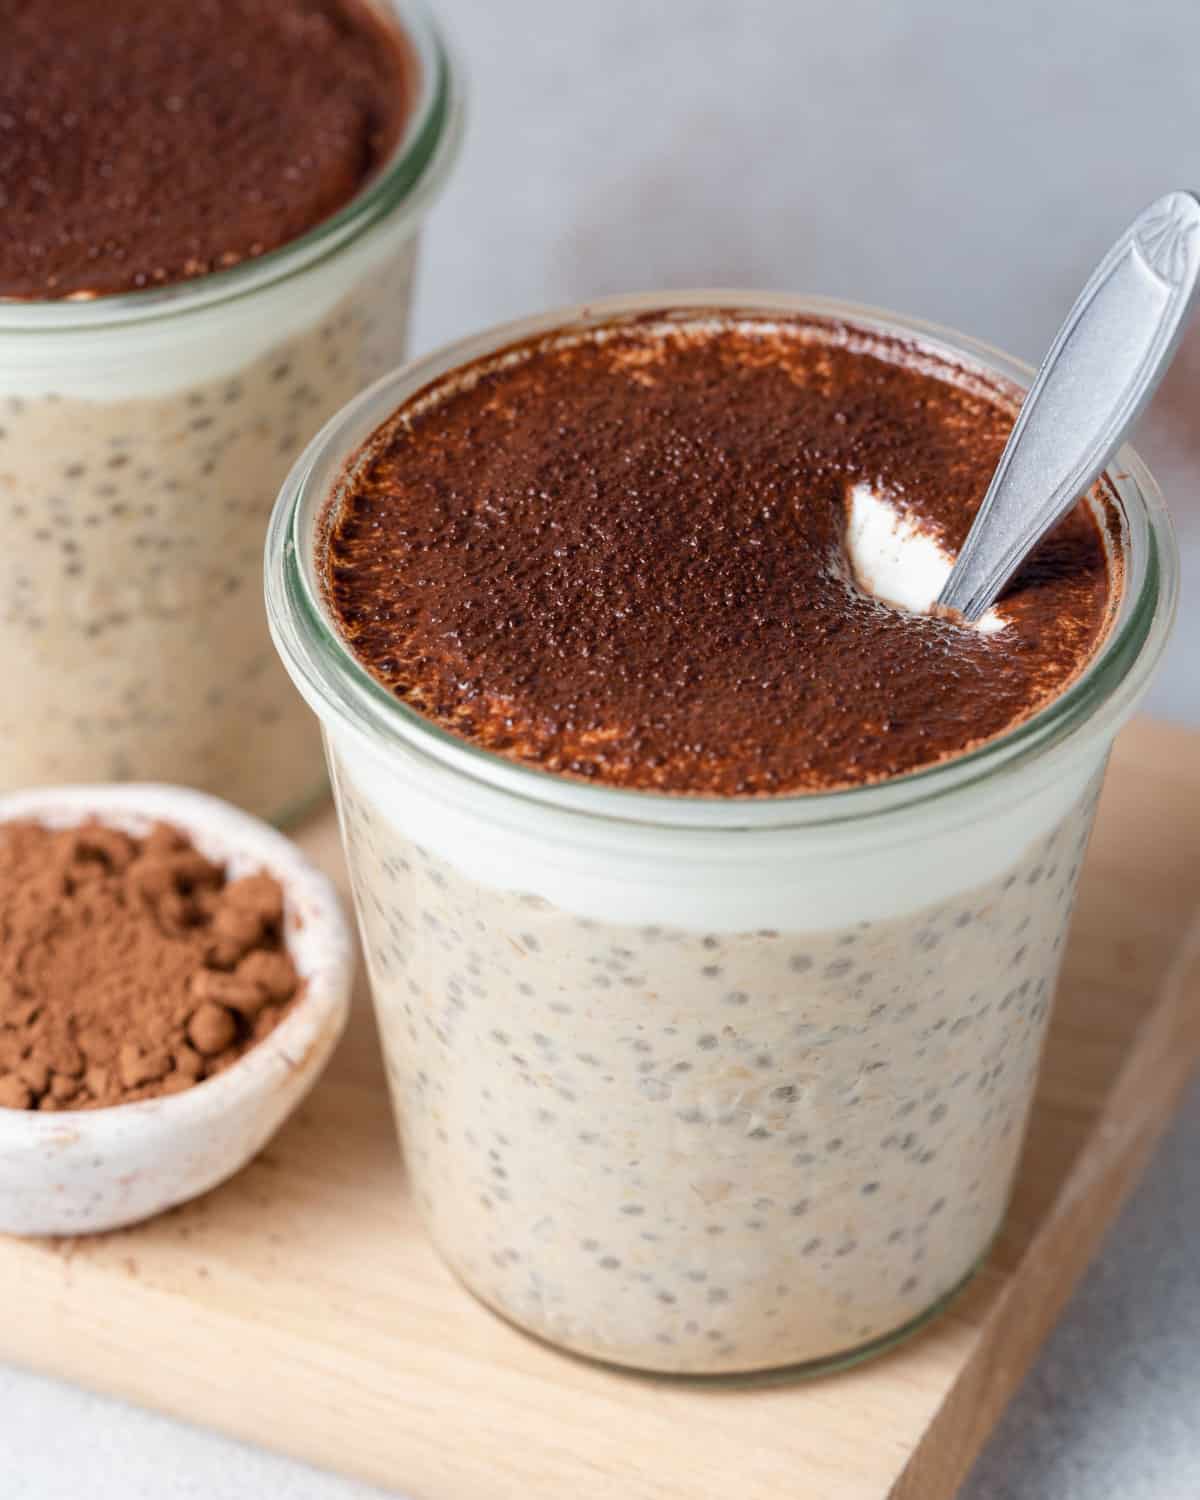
<point>713,892</point>
<point>210,218</point>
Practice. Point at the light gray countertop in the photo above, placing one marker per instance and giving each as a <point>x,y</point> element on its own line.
<point>952,158</point>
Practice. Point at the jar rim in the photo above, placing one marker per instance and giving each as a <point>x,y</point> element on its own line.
<point>336,684</point>
<point>412,175</point>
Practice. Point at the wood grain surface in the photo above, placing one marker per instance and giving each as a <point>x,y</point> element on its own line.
<point>299,1306</point>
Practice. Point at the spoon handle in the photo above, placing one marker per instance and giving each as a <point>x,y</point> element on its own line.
<point>1102,368</point>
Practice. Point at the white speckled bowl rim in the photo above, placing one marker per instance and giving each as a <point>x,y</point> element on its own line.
<point>316,932</point>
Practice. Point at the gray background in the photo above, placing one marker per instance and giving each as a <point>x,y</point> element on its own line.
<point>958,159</point>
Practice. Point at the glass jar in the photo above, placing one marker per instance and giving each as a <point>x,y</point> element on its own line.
<point>706,1086</point>
<point>143,439</point>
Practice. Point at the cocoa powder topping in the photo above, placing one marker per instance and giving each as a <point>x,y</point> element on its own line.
<point>623,557</point>
<point>129,967</point>
<point>143,142</point>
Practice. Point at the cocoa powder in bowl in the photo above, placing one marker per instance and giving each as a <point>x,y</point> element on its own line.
<point>129,967</point>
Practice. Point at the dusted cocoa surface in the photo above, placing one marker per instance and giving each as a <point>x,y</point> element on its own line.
<point>623,559</point>
<point>129,967</point>
<point>147,141</point>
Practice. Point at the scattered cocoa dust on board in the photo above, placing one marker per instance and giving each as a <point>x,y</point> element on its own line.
<point>129,968</point>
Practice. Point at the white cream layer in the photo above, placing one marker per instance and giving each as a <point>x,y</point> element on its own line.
<point>153,357</point>
<point>800,879</point>
<point>896,561</point>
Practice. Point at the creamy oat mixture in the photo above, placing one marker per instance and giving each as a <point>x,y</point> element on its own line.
<point>705,1152</point>
<point>132,627</point>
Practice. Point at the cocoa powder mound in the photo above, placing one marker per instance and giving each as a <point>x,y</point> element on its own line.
<point>129,968</point>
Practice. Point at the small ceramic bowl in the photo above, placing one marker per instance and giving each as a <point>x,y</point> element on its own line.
<point>83,1171</point>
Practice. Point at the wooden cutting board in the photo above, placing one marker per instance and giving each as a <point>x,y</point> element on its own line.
<point>299,1306</point>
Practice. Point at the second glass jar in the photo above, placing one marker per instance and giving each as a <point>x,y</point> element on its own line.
<point>143,438</point>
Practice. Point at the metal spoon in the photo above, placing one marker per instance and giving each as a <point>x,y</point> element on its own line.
<point>1102,368</point>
